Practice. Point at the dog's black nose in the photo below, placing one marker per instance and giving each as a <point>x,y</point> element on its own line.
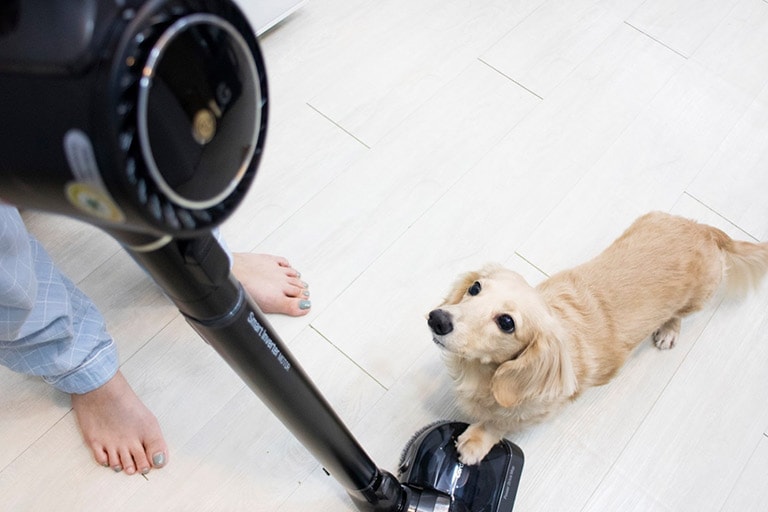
<point>440,322</point>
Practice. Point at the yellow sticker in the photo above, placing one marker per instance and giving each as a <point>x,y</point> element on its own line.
<point>93,201</point>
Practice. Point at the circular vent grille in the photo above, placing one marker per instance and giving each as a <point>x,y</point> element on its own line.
<point>191,113</point>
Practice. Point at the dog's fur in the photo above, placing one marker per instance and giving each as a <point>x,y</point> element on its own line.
<point>576,329</point>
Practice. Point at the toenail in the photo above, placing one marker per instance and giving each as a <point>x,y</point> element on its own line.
<point>305,293</point>
<point>117,469</point>
<point>158,459</point>
<point>144,471</point>
<point>305,304</point>
<point>305,285</point>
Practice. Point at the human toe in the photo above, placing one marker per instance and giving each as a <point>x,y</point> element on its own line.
<point>156,453</point>
<point>296,288</point>
<point>113,461</point>
<point>142,463</point>
<point>294,306</point>
<point>127,462</point>
<point>281,261</point>
<point>100,455</point>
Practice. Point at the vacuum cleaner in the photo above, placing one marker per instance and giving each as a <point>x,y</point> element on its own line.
<point>147,118</point>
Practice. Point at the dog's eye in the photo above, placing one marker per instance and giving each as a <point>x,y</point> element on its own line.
<point>474,289</point>
<point>506,323</point>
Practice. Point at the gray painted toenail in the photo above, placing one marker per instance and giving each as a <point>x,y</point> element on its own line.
<point>305,304</point>
<point>117,469</point>
<point>158,459</point>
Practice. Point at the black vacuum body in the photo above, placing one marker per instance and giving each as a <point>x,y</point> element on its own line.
<point>147,118</point>
<point>144,116</point>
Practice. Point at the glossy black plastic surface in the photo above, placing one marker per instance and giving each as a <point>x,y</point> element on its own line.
<point>431,462</point>
<point>145,116</point>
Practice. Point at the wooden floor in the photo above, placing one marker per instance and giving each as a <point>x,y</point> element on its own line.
<point>413,140</point>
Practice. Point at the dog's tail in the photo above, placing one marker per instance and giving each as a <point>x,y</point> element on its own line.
<point>746,264</point>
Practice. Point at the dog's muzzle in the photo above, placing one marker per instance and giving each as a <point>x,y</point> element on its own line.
<point>440,321</point>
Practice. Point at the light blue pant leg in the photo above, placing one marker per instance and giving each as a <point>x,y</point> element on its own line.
<point>48,327</point>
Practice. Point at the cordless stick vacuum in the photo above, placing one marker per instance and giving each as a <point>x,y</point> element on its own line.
<point>147,119</point>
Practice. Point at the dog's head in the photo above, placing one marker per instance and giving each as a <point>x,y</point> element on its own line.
<point>494,316</point>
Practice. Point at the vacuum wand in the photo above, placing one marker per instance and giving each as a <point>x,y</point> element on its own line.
<point>195,275</point>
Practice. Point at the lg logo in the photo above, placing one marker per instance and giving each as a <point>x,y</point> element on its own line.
<point>223,95</point>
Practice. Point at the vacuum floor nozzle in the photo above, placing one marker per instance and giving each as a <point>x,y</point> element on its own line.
<point>431,461</point>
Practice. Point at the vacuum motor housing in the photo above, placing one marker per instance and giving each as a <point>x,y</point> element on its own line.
<point>144,116</point>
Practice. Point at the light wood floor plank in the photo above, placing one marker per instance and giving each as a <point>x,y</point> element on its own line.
<point>735,50</point>
<point>682,25</point>
<point>29,408</point>
<point>677,133</point>
<point>733,181</point>
<point>750,492</point>
<point>539,59</point>
<point>303,154</point>
<point>402,62</point>
<point>628,496</point>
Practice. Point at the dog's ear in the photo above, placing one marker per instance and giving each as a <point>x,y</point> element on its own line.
<point>544,369</point>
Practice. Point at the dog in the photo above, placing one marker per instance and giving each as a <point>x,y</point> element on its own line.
<point>517,353</point>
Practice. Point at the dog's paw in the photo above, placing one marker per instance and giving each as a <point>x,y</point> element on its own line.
<point>665,338</point>
<point>474,444</point>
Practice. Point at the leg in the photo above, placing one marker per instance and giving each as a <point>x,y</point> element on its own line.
<point>272,282</point>
<point>666,335</point>
<point>49,328</point>
<point>475,443</point>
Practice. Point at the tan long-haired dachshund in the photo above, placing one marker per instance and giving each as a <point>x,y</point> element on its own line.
<point>518,353</point>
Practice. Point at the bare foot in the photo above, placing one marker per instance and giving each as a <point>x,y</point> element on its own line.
<point>272,283</point>
<point>119,429</point>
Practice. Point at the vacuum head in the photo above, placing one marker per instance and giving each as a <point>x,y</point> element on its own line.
<point>431,461</point>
